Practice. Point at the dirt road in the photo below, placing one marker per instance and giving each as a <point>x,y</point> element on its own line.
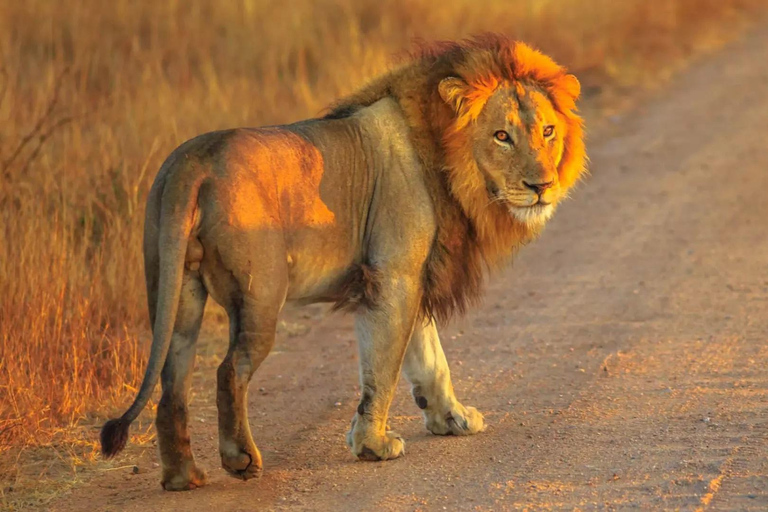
<point>621,363</point>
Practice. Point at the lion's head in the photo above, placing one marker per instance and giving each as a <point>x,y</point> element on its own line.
<point>514,141</point>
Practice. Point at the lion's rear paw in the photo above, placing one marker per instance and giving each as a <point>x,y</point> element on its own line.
<point>390,446</point>
<point>459,421</point>
<point>185,481</point>
<point>242,464</point>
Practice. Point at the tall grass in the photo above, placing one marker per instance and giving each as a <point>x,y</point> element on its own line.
<point>93,95</point>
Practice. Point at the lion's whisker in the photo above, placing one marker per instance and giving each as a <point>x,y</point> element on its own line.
<point>497,199</point>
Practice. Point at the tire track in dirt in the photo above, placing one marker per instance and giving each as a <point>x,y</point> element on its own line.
<point>619,363</point>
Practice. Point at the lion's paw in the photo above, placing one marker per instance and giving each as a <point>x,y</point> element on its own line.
<point>389,446</point>
<point>242,463</point>
<point>192,478</point>
<point>459,421</point>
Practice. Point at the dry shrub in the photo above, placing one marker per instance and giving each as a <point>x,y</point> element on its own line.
<point>94,94</point>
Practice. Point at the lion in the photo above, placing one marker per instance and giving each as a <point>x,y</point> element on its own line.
<point>394,205</point>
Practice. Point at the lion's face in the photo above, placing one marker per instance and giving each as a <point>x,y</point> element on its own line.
<point>525,151</point>
<point>517,143</point>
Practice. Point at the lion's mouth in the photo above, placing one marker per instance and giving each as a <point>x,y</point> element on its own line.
<point>534,215</point>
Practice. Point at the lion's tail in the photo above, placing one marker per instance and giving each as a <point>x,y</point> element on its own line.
<point>178,204</point>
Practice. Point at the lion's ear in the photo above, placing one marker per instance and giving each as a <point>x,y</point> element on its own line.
<point>564,91</point>
<point>453,90</point>
<point>571,85</point>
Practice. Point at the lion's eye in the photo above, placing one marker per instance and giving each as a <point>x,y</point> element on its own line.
<point>502,136</point>
<point>549,131</point>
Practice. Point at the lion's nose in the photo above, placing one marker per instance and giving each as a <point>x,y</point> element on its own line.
<point>539,187</point>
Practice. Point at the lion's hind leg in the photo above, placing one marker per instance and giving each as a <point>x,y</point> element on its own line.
<point>179,469</point>
<point>253,321</point>
<point>426,369</point>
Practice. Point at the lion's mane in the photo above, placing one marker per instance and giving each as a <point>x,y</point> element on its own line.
<point>473,234</point>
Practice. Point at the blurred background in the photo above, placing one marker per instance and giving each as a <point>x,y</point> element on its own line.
<point>94,95</point>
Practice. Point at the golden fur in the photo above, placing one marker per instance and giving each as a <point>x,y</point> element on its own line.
<point>393,205</point>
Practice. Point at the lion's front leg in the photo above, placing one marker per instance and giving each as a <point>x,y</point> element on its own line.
<point>427,370</point>
<point>383,332</point>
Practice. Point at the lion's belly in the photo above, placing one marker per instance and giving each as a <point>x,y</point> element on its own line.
<point>318,260</point>
<point>312,266</point>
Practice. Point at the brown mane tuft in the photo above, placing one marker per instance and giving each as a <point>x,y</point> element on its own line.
<point>472,235</point>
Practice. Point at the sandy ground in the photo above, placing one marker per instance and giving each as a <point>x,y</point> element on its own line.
<point>620,363</point>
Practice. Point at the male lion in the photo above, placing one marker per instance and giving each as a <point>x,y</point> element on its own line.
<point>392,205</point>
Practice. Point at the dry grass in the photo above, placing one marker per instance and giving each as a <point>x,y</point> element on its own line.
<point>93,95</point>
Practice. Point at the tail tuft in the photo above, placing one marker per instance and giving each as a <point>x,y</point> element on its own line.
<point>114,435</point>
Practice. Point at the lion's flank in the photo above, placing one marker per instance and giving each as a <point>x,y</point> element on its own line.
<point>472,235</point>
